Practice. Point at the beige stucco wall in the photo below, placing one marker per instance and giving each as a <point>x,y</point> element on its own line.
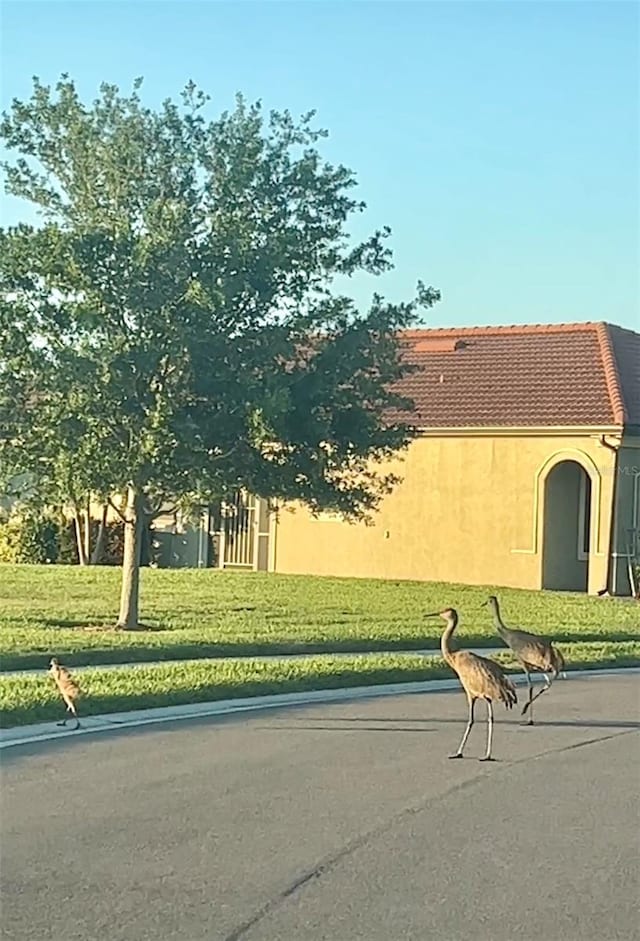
<point>469,509</point>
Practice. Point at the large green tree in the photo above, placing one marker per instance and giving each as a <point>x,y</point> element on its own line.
<point>172,328</point>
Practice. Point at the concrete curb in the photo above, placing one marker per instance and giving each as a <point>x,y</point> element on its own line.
<point>44,732</point>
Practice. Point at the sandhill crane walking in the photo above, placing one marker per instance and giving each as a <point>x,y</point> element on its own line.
<point>69,689</point>
<point>533,653</point>
<point>480,678</point>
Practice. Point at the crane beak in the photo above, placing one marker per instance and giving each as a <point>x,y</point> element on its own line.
<point>435,614</point>
<point>483,604</point>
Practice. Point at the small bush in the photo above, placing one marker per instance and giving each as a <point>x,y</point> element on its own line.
<point>34,536</point>
<point>68,552</point>
<point>113,550</point>
<point>29,537</point>
<point>114,543</point>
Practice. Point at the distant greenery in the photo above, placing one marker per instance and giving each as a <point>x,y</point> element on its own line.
<point>30,699</point>
<point>32,535</point>
<point>29,538</point>
<point>192,614</point>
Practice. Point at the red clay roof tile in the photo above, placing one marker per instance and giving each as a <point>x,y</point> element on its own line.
<point>579,374</point>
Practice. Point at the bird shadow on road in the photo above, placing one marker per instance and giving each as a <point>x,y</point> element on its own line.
<point>317,727</point>
<point>587,724</point>
<point>386,724</point>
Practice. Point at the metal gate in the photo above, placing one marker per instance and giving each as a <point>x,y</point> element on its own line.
<point>238,543</point>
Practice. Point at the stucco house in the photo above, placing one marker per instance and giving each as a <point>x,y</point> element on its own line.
<point>526,472</point>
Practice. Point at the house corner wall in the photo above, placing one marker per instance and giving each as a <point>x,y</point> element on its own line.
<point>468,510</point>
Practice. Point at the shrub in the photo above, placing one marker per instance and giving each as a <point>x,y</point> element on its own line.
<point>113,550</point>
<point>68,552</point>
<point>29,536</point>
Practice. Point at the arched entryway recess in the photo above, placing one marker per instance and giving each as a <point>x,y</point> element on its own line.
<point>567,526</point>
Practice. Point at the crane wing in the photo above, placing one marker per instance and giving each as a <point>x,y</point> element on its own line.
<point>484,678</point>
<point>66,682</point>
<point>535,651</point>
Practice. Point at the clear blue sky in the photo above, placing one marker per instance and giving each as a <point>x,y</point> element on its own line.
<point>499,140</point>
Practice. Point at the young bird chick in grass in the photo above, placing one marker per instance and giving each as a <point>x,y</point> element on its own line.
<point>68,688</point>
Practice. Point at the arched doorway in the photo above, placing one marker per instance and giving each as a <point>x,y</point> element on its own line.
<point>567,528</point>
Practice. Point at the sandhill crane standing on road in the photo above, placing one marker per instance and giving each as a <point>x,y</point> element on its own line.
<point>533,653</point>
<point>69,689</point>
<point>480,678</point>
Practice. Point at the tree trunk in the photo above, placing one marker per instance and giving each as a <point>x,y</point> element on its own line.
<point>77,523</point>
<point>87,530</point>
<point>134,524</point>
<point>98,549</point>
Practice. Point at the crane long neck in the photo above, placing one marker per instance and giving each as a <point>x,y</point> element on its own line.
<point>500,626</point>
<point>445,645</point>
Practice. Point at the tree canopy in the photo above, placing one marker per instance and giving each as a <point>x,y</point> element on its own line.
<point>172,327</point>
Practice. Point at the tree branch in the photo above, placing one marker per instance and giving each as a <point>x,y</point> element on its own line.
<point>161,511</point>
<point>154,509</point>
<point>117,509</point>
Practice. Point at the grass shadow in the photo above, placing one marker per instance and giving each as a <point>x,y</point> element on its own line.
<point>107,622</point>
<point>101,623</point>
<point>614,637</point>
<point>140,652</point>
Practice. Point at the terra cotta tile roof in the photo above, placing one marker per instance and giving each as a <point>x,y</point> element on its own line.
<point>578,374</point>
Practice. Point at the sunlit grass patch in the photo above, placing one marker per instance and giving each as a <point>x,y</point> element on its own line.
<point>70,611</point>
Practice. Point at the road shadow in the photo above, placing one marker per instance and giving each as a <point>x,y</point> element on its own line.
<point>587,724</point>
<point>340,724</point>
<point>317,727</point>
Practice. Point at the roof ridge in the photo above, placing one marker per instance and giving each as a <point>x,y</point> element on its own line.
<point>573,327</point>
<point>611,374</point>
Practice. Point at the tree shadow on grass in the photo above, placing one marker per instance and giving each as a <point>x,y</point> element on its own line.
<point>423,642</point>
<point>140,652</point>
<point>101,623</point>
<point>132,647</point>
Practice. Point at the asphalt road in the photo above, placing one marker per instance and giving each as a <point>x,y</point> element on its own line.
<point>333,822</point>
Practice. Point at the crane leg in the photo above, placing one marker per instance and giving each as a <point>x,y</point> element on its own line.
<point>72,710</point>
<point>64,721</point>
<point>532,699</point>
<point>458,754</point>
<point>488,757</point>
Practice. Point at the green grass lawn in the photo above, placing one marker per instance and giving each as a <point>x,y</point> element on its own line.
<point>30,699</point>
<point>70,612</point>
